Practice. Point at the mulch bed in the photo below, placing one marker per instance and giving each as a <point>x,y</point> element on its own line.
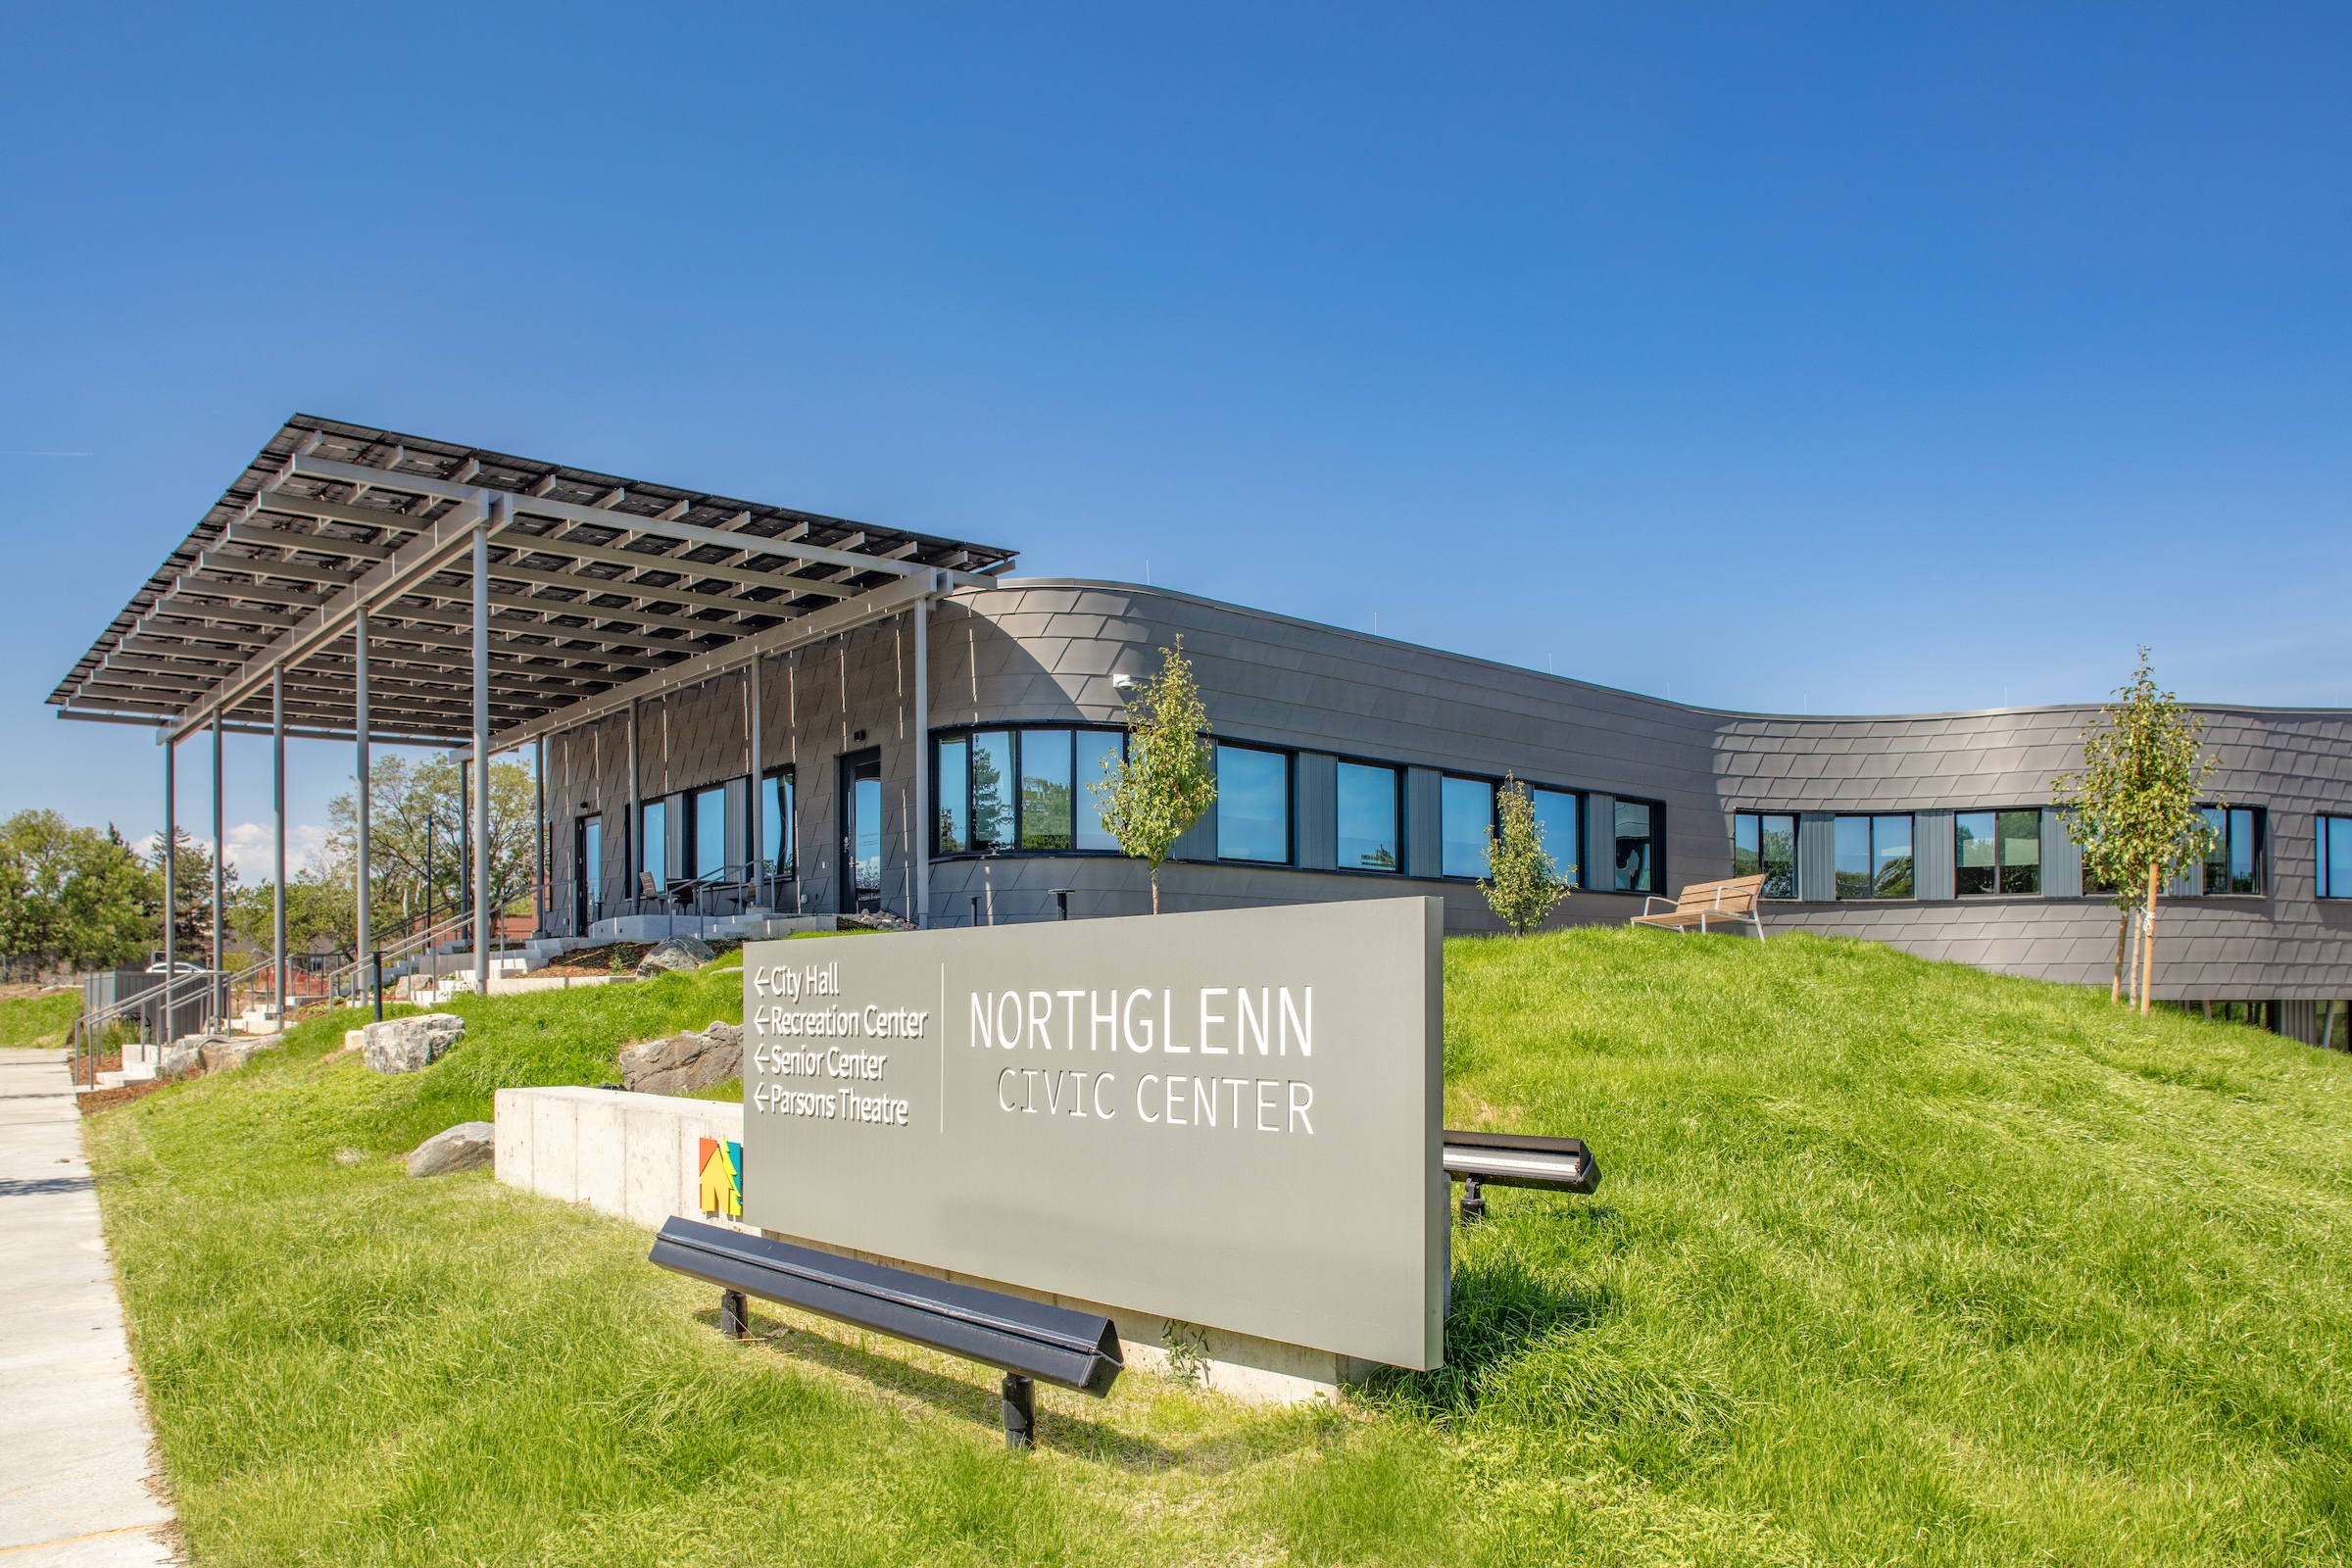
<point>92,1100</point>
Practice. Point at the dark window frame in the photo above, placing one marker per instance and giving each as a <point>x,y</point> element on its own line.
<point>2258,821</point>
<point>1794,819</point>
<point>964,732</point>
<point>1398,772</point>
<point>2041,870</point>
<point>1289,801</point>
<point>787,866</point>
<point>2320,821</point>
<point>1871,850</point>
<point>1583,796</point>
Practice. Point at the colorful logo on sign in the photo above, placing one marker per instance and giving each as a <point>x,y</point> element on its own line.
<point>722,1178</point>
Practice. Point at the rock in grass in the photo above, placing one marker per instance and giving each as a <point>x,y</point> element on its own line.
<point>403,1044</point>
<point>227,1053</point>
<point>872,920</point>
<point>461,1148</point>
<point>674,953</point>
<point>686,1063</point>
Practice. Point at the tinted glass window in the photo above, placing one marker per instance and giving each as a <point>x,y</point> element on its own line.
<point>1555,821</point>
<point>2245,852</point>
<point>1974,855</point>
<point>866,832</point>
<point>1764,844</point>
<point>1635,848</point>
<point>954,828</point>
<point>2335,857</point>
<point>992,790</point>
<point>776,825</point>
<point>1253,804</point>
<point>1853,857</point>
<point>654,841</point>
<point>1465,811</point>
<point>1890,857</point>
<point>709,833</point>
<point>1367,817</point>
<point>1100,753</point>
<point>1045,789</point>
<point>2020,852</point>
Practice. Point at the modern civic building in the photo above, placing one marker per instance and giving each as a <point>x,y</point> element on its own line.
<point>737,707</point>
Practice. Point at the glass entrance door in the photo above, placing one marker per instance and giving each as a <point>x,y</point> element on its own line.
<point>862,831</point>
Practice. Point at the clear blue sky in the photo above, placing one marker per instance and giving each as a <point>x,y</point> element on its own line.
<point>1930,359</point>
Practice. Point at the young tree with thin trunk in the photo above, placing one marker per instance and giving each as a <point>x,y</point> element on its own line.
<point>1167,778</point>
<point>1524,884</point>
<point>2133,807</point>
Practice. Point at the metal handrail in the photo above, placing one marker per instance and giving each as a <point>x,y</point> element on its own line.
<point>346,980</point>
<point>89,1024</point>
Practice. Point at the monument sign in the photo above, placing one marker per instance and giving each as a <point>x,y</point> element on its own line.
<point>1229,1118</point>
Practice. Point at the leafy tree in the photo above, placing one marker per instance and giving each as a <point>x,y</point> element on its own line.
<point>74,895</point>
<point>2133,807</point>
<point>413,831</point>
<point>1524,883</point>
<point>1167,778</point>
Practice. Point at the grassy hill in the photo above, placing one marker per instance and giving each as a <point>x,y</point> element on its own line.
<point>1896,1263</point>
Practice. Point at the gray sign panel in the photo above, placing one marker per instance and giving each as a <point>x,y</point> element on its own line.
<point>1231,1118</point>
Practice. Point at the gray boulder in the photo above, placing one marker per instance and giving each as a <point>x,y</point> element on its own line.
<point>180,1058</point>
<point>872,920</point>
<point>461,1148</point>
<point>674,953</point>
<point>684,1063</point>
<point>227,1053</point>
<point>403,1044</point>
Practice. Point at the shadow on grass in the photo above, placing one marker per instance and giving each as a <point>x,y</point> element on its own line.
<point>1503,1307</point>
<point>978,1404</point>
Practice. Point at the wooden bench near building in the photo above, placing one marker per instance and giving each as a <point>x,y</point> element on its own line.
<point>1734,899</point>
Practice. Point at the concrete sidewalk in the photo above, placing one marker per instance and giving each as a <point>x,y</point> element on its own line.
<point>75,1458</point>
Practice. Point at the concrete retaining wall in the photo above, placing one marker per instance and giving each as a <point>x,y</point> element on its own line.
<point>635,1157</point>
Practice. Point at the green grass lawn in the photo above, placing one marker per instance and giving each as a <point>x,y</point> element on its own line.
<point>38,1020</point>
<point>1895,1263</point>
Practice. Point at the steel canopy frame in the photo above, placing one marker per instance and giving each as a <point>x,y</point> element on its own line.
<point>624,595</point>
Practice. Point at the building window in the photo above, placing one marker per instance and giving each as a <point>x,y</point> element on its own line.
<point>1098,754</point>
<point>2233,862</point>
<point>1874,856</point>
<point>654,844</point>
<point>1765,845</point>
<point>1996,852</point>
<point>1367,817</point>
<point>1555,824</point>
<point>1046,788</point>
<point>1636,847</point>
<point>2335,857</point>
<point>709,818</point>
<point>1465,814</point>
<point>1003,789</point>
<point>1253,804</point>
<point>777,849</point>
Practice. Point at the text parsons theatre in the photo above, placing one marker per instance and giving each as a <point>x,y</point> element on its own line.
<point>988,1102</point>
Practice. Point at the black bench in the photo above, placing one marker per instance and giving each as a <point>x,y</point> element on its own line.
<point>1029,1342</point>
<point>1514,1159</point>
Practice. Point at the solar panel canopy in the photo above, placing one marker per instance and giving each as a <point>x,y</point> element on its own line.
<point>598,586</point>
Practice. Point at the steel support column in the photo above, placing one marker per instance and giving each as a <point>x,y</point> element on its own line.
<point>482,917</point>
<point>920,838</point>
<point>277,805</point>
<point>539,897</point>
<point>758,823</point>
<point>365,891</point>
<point>171,882</point>
<point>632,852</point>
<point>220,870</point>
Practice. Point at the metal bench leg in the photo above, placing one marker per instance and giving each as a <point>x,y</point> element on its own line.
<point>1474,1201</point>
<point>734,1315</point>
<point>1020,1412</point>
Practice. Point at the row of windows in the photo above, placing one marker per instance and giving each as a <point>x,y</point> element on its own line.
<point>705,832</point>
<point>1030,789</point>
<point>1992,853</point>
